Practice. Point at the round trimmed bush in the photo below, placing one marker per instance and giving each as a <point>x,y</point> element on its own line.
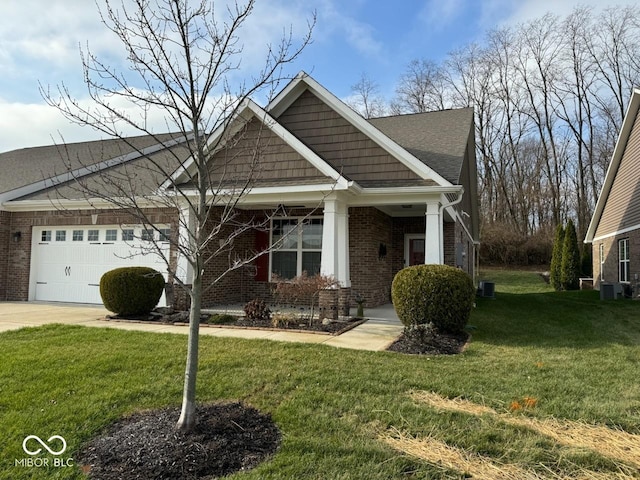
<point>131,290</point>
<point>436,294</point>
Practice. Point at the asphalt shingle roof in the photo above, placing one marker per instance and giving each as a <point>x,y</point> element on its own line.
<point>438,139</point>
<point>31,165</point>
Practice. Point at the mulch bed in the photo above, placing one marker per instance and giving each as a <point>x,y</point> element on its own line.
<point>434,343</point>
<point>336,327</point>
<point>227,438</point>
<point>332,328</point>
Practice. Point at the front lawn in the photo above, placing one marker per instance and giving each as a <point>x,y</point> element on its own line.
<point>540,364</point>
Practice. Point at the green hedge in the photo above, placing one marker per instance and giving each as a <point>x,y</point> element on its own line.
<point>131,290</point>
<point>436,294</point>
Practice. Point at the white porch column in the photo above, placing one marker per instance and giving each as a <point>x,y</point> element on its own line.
<point>184,270</point>
<point>335,242</point>
<point>433,247</point>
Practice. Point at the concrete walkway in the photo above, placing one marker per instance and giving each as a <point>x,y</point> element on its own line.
<point>382,328</point>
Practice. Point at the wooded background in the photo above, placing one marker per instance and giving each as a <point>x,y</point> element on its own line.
<point>549,97</point>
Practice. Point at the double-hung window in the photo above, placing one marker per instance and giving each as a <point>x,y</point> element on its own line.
<point>297,246</point>
<point>602,258</point>
<point>623,259</point>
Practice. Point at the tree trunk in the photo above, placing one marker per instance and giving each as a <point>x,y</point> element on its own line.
<point>188,414</point>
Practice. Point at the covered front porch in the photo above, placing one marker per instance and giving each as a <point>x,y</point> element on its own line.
<point>361,242</point>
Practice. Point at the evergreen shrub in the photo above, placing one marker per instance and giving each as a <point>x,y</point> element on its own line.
<point>131,290</point>
<point>437,294</point>
<point>571,261</point>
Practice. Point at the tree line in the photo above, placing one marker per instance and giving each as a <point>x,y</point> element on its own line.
<point>549,97</point>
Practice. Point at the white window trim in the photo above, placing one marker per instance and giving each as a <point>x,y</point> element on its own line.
<point>299,250</point>
<point>621,261</point>
<point>601,253</point>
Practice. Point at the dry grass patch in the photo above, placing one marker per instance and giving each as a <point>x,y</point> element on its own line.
<point>477,466</point>
<point>615,444</point>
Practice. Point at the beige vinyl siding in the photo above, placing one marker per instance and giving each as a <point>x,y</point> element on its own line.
<point>344,147</point>
<point>622,208</point>
<point>256,148</point>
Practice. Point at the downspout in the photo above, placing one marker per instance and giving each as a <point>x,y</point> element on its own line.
<point>441,229</point>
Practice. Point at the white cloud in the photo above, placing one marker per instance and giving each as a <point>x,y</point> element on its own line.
<point>439,14</point>
<point>334,21</point>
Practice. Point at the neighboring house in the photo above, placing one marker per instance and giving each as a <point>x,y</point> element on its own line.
<point>614,231</point>
<point>383,194</point>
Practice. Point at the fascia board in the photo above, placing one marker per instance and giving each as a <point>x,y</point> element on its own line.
<point>80,204</point>
<point>275,191</point>
<point>392,196</point>
<point>616,157</point>
<point>302,80</point>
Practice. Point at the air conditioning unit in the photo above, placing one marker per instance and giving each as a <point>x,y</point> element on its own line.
<point>487,289</point>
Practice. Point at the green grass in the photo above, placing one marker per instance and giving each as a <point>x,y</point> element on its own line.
<point>577,356</point>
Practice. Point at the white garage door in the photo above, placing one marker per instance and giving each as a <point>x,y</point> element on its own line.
<point>67,262</point>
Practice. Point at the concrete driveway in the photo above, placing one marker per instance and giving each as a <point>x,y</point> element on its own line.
<point>376,334</point>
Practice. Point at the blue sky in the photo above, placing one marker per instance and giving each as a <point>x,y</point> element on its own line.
<point>39,42</point>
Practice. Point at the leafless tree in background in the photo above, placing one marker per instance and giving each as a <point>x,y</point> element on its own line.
<point>549,97</point>
<point>366,98</point>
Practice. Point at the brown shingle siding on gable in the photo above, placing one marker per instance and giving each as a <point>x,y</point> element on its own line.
<point>277,162</point>
<point>622,208</point>
<point>344,147</point>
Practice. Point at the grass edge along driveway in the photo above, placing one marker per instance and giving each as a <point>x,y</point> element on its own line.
<point>536,355</point>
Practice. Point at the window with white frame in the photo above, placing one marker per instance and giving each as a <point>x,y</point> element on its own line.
<point>297,246</point>
<point>602,262</point>
<point>127,234</point>
<point>623,259</point>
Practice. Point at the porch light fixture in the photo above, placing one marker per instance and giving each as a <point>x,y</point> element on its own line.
<point>17,236</point>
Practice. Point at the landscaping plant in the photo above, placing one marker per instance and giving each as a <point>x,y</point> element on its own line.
<point>303,290</point>
<point>131,290</point>
<point>433,294</point>
<point>571,263</point>
<point>257,309</point>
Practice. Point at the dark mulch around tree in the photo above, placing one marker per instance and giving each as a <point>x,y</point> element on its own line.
<point>227,438</point>
<point>430,342</point>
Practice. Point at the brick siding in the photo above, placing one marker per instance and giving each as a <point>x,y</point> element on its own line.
<point>611,260</point>
<point>376,250</point>
<point>5,239</point>
<point>370,234</point>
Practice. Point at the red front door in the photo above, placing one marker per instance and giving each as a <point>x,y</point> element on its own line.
<point>416,251</point>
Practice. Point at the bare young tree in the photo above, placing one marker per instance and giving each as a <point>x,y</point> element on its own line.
<point>184,61</point>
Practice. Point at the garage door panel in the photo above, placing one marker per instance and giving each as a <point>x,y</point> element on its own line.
<point>69,270</point>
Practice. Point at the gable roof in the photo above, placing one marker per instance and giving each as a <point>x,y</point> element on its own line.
<point>419,150</point>
<point>438,139</point>
<point>618,152</point>
<point>303,82</point>
<point>246,112</point>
